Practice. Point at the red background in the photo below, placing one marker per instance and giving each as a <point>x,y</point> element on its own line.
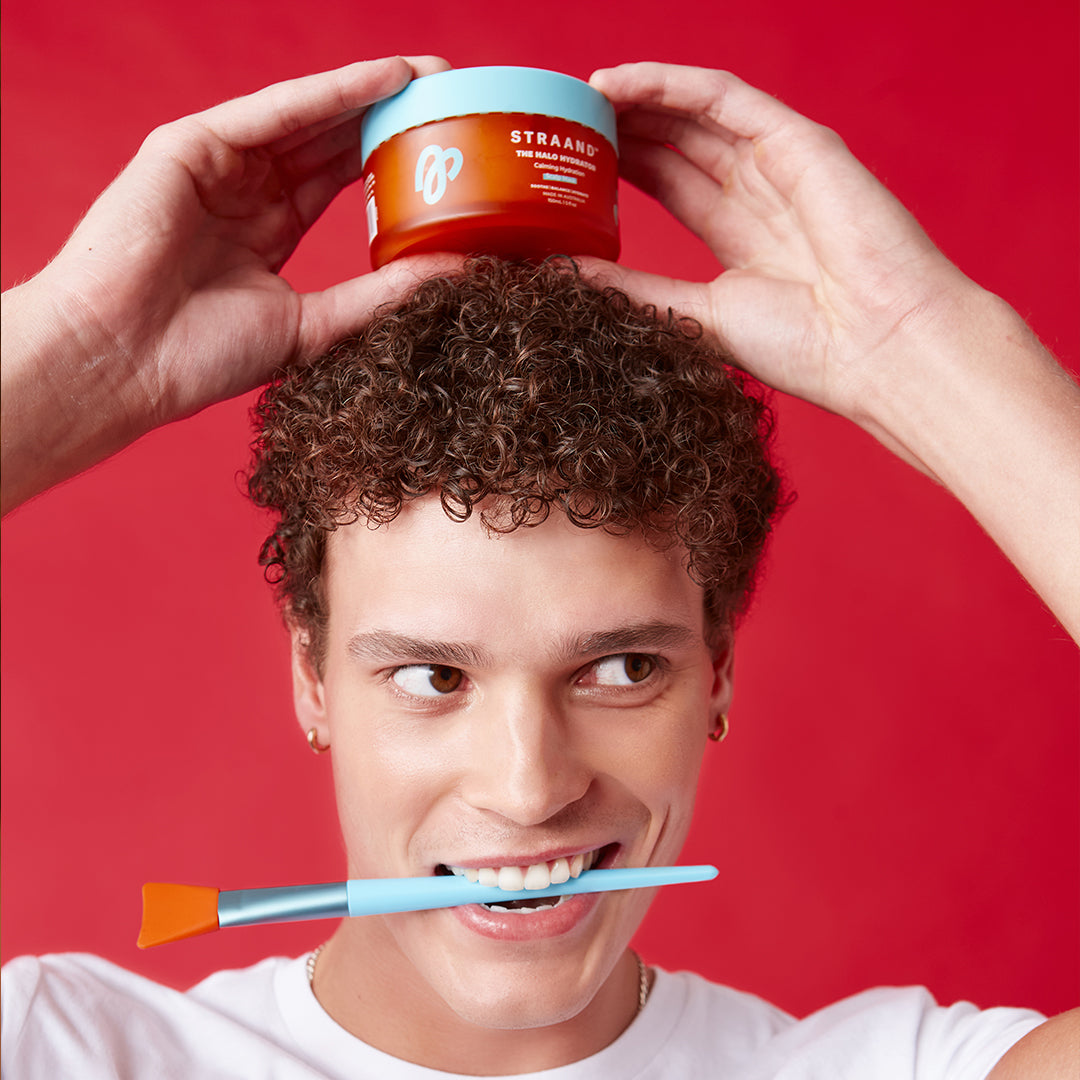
<point>898,799</point>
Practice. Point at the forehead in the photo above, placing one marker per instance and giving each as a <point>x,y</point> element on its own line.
<point>425,574</point>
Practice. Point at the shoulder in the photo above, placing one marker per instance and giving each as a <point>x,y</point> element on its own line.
<point>76,1014</point>
<point>887,1032</point>
<point>71,983</point>
<point>72,1014</point>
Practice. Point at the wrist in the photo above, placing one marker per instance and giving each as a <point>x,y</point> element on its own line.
<point>64,395</point>
<point>960,358</point>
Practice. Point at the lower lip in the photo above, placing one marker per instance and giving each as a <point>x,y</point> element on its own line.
<point>546,923</point>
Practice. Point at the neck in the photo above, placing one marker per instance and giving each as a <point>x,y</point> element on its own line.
<point>370,988</point>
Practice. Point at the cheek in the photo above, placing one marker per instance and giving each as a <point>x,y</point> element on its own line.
<point>678,733</point>
<point>655,767</point>
<point>665,759</point>
<point>389,774</point>
<point>673,790</point>
<point>674,763</point>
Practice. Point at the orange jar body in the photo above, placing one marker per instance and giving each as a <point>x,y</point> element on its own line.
<point>517,184</point>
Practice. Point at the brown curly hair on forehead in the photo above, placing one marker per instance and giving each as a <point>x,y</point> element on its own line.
<point>518,389</point>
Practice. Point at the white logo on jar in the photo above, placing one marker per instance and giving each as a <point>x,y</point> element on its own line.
<point>435,168</point>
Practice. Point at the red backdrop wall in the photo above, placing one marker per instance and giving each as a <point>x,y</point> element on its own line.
<point>898,800</point>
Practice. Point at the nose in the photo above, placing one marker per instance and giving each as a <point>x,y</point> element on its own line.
<point>523,763</point>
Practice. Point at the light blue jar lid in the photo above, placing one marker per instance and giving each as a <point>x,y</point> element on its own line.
<point>468,91</point>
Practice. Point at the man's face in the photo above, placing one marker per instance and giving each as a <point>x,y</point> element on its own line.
<point>509,701</point>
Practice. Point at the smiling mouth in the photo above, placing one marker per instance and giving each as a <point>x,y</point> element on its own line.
<point>540,875</point>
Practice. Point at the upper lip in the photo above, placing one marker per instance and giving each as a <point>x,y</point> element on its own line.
<point>549,855</point>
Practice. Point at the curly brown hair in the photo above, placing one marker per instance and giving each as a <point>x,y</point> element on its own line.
<point>516,389</point>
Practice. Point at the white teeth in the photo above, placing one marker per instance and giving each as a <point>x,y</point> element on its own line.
<point>511,878</point>
<point>539,875</point>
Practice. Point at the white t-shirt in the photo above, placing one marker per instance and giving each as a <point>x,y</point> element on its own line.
<point>80,1016</point>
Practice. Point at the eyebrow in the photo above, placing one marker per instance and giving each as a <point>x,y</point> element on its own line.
<point>381,645</point>
<point>632,637</point>
<point>384,645</point>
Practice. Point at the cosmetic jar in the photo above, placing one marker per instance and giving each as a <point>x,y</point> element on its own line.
<point>516,162</point>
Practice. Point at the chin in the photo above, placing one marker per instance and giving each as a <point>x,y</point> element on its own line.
<point>520,1007</point>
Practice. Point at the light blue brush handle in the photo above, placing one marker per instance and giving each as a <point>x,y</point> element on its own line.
<point>380,896</point>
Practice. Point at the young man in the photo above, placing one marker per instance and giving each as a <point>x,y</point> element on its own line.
<point>516,520</point>
<point>503,700</point>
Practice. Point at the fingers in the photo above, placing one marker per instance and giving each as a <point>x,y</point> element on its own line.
<point>311,196</point>
<point>665,125</point>
<point>295,142</point>
<point>718,95</point>
<point>748,315</point>
<point>332,314</point>
<point>333,126</point>
<point>786,190</point>
<point>712,152</point>
<point>785,144</point>
<point>303,105</point>
<point>738,215</point>
<point>428,65</point>
<point>420,65</point>
<point>674,181</point>
<point>685,298</point>
<point>330,148</point>
<point>316,154</point>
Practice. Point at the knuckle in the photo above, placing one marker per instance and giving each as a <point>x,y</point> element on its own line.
<point>178,138</point>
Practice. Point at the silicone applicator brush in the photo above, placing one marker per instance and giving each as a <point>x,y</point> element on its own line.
<point>174,912</point>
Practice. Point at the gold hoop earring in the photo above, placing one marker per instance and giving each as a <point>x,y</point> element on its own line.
<point>719,733</point>
<point>313,741</point>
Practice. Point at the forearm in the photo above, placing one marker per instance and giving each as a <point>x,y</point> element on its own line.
<point>985,408</point>
<point>65,402</point>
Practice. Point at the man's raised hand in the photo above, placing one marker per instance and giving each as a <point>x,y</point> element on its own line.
<point>831,291</point>
<point>167,297</point>
<point>822,264</point>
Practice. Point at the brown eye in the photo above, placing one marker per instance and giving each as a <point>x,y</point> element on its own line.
<point>445,679</point>
<point>428,680</point>
<point>638,666</point>
<point>623,669</point>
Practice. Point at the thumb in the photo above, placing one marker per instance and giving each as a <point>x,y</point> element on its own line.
<point>689,299</point>
<point>347,307</point>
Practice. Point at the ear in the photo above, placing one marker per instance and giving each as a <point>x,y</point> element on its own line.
<point>723,687</point>
<point>308,697</point>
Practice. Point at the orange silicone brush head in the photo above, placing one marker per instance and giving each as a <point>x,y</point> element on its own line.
<point>175,912</point>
